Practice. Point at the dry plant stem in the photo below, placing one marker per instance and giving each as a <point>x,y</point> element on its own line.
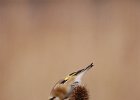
<point>79,93</point>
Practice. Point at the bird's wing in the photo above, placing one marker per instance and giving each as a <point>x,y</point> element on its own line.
<point>55,85</point>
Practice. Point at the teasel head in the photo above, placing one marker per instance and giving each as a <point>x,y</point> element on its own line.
<point>79,93</point>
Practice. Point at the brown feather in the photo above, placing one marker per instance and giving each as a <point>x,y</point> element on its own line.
<point>60,92</point>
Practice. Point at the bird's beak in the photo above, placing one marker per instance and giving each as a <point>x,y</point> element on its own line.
<point>90,66</point>
<point>85,69</point>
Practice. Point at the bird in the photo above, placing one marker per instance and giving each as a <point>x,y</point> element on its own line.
<point>64,87</point>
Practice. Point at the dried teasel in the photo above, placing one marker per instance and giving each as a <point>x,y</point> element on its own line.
<point>79,93</point>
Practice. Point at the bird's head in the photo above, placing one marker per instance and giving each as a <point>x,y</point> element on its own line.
<point>78,75</point>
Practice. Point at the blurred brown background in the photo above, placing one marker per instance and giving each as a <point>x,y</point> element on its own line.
<point>41,41</point>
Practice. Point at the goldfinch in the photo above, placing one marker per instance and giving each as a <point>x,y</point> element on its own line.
<point>63,88</point>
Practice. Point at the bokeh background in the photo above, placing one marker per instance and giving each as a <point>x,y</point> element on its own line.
<point>41,41</point>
